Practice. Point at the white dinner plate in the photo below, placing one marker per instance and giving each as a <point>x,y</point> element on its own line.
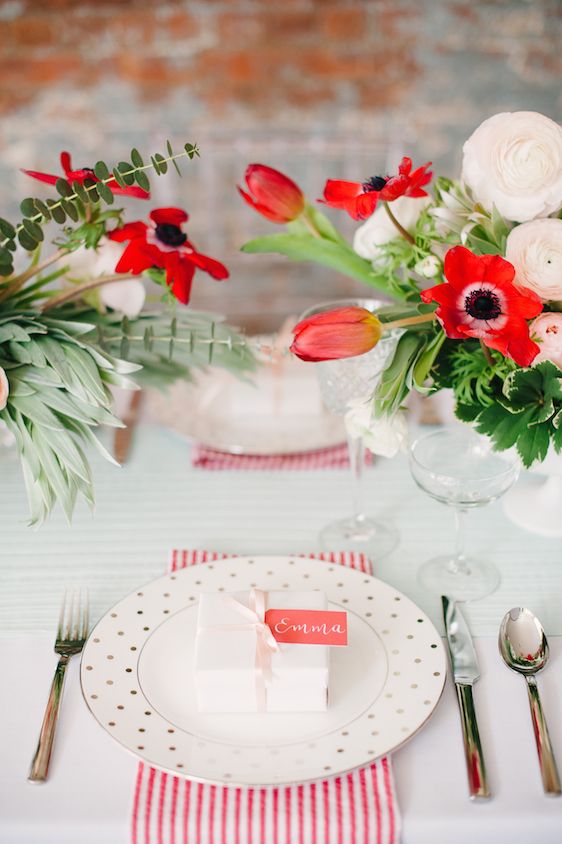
<point>137,678</point>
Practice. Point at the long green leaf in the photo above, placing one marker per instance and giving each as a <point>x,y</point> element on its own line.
<point>307,248</point>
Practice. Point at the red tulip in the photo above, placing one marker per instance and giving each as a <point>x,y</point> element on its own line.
<point>272,194</point>
<point>341,333</point>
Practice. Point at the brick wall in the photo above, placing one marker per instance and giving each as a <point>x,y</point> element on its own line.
<point>317,87</point>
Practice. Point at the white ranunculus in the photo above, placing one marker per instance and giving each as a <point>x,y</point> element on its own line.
<point>126,296</point>
<point>535,250</point>
<point>514,161</point>
<point>429,267</point>
<point>379,228</point>
<point>385,436</point>
<point>4,389</point>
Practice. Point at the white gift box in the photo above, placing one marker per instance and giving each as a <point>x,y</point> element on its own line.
<point>229,675</point>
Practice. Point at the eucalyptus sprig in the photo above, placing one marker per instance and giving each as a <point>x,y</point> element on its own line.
<point>76,199</point>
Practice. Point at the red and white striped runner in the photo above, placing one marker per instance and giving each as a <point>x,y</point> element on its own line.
<point>336,457</point>
<point>355,808</point>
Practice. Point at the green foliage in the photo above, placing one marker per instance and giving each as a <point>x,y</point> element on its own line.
<point>464,368</point>
<point>78,201</point>
<point>409,369</point>
<point>60,369</point>
<point>460,218</point>
<point>527,412</point>
<point>305,247</point>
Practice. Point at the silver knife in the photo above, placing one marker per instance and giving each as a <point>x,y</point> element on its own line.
<point>464,664</point>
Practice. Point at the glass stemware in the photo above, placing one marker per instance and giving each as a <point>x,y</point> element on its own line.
<point>458,467</point>
<point>341,381</point>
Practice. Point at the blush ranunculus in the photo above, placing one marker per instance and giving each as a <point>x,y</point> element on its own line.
<point>547,330</point>
<point>332,335</point>
<point>272,194</point>
<point>513,160</point>
<point>535,250</point>
<point>480,300</point>
<point>4,389</point>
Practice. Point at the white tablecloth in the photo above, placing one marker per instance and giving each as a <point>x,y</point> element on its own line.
<point>157,501</point>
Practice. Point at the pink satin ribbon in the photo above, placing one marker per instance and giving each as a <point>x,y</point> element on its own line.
<point>266,644</point>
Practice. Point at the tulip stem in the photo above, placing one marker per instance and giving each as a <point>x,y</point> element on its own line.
<point>413,320</point>
<point>310,225</point>
<point>76,292</point>
<point>404,232</point>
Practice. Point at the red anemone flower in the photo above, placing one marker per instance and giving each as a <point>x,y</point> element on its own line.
<point>272,194</point>
<point>331,335</point>
<point>162,243</point>
<point>480,300</point>
<point>360,199</point>
<point>82,175</point>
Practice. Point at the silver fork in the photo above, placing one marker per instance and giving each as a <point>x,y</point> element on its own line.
<point>71,636</point>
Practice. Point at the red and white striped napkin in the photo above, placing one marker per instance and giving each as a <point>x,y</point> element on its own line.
<point>359,807</point>
<point>335,457</point>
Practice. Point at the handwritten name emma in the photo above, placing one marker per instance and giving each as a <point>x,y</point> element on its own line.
<point>284,625</point>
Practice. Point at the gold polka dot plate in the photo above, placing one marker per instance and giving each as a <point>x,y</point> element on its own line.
<point>137,677</point>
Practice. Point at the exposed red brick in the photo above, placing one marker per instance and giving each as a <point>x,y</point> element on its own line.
<point>344,23</point>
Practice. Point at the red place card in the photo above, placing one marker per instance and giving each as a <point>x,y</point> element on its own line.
<point>308,627</point>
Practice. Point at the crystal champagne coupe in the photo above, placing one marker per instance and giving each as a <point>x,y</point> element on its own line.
<point>458,467</point>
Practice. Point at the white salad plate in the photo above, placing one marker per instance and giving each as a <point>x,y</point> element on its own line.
<point>137,677</point>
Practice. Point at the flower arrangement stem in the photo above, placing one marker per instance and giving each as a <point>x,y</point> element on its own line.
<point>310,225</point>
<point>404,232</point>
<point>487,353</point>
<point>76,292</point>
<point>18,281</point>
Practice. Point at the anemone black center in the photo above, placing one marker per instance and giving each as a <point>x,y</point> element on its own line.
<point>170,234</point>
<point>89,170</point>
<point>483,304</point>
<point>374,183</point>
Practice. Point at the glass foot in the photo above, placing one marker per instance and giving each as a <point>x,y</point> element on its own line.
<point>364,535</point>
<point>474,579</point>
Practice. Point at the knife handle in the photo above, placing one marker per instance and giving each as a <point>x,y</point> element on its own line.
<point>475,767</point>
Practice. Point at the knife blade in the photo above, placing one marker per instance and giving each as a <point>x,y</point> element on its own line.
<point>464,666</point>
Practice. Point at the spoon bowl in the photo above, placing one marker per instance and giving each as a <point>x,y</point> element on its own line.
<point>522,641</point>
<point>524,648</point>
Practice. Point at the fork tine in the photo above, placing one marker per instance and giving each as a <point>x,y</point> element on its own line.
<point>60,628</point>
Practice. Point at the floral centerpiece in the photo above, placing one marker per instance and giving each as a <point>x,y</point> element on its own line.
<point>72,323</point>
<point>474,267</point>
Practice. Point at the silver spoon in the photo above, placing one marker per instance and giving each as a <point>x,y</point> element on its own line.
<point>524,649</point>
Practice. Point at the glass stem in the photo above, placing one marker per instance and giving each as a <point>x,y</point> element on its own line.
<point>458,563</point>
<point>356,450</point>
